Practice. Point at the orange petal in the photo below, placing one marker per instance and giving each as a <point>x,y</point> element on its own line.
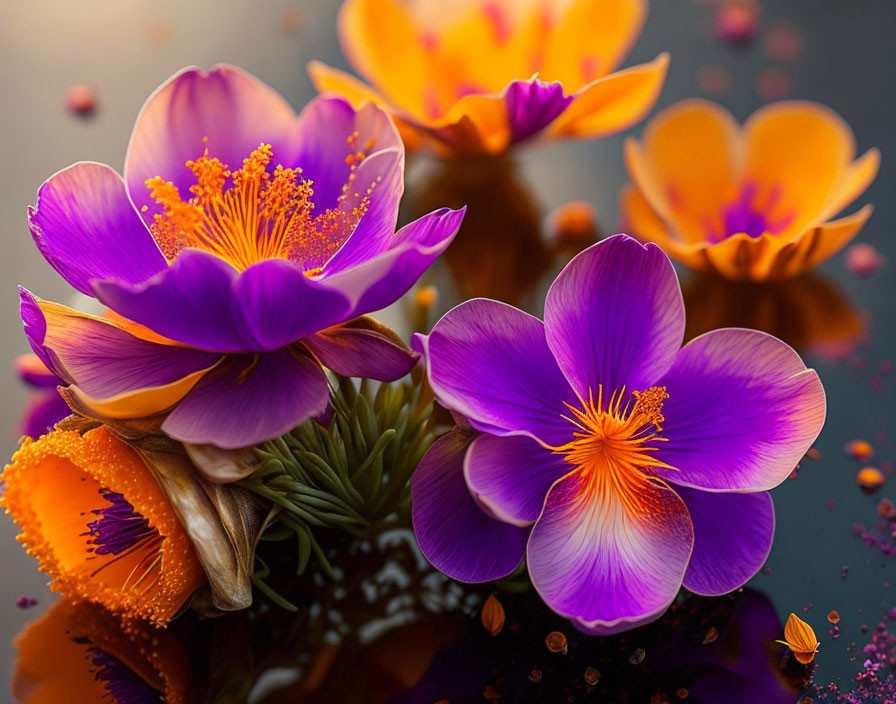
<point>327,79</point>
<point>381,40</point>
<point>613,103</point>
<point>52,488</point>
<point>688,164</point>
<point>642,222</point>
<point>831,237</point>
<point>69,631</point>
<point>476,124</point>
<point>858,177</point>
<point>591,39</point>
<point>803,150</point>
<point>799,635</point>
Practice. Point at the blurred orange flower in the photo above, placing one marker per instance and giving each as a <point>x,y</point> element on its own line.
<point>81,654</point>
<point>475,76</point>
<point>752,202</point>
<point>95,518</point>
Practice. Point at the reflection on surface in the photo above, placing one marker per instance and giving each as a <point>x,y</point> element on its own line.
<point>499,252</point>
<point>392,631</point>
<point>810,312</point>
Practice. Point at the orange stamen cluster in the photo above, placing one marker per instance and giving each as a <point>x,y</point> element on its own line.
<point>256,213</point>
<point>613,447</point>
<point>55,487</point>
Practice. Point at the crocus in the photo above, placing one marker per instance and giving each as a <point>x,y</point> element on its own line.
<point>479,76</point>
<point>45,406</point>
<point>620,463</point>
<point>238,243</point>
<point>80,654</point>
<point>755,202</point>
<point>99,524</point>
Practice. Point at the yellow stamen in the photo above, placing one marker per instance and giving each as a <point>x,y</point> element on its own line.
<point>256,212</point>
<point>613,448</point>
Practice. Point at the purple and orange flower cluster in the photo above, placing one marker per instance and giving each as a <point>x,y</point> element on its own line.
<point>236,259</point>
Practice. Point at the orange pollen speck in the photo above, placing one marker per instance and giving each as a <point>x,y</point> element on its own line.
<point>613,447</point>
<point>257,212</point>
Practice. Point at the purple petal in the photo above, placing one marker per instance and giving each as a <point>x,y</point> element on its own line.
<point>742,411</point>
<point>191,301</point>
<point>30,369</point>
<point>247,400</point>
<point>44,410</point>
<point>351,350</point>
<point>281,305</point>
<point>103,359</point>
<point>609,562</point>
<point>226,110</point>
<point>733,535</point>
<point>489,362</point>
<point>511,476</point>
<point>379,282</point>
<point>615,317</point>
<point>454,534</point>
<point>329,130</point>
<point>533,105</point>
<point>87,228</point>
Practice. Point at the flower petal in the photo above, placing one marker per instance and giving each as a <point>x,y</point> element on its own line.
<point>804,150</point>
<point>381,41</point>
<point>688,165</point>
<point>742,410</point>
<point>190,301</point>
<point>380,281</point>
<point>281,305</point>
<point>614,102</point>
<point>592,39</point>
<point>226,110</point>
<point>248,400</point>
<point>733,535</point>
<point>45,408</point>
<point>490,362</point>
<point>327,79</point>
<point>363,348</point>
<point>533,105</point>
<point>454,534</point>
<point>87,228</point>
<point>609,562</point>
<point>330,132</point>
<point>615,317</point>
<point>511,476</point>
<point>101,358</point>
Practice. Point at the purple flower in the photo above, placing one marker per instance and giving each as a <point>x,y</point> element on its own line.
<point>45,407</point>
<point>620,463</point>
<point>237,256</point>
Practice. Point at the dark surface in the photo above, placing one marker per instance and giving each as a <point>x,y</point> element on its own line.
<point>849,62</point>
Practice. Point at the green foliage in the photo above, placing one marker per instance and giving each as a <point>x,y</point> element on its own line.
<point>352,476</point>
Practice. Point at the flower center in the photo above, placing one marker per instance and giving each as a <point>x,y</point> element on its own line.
<point>746,215</point>
<point>258,212</point>
<point>120,531</point>
<point>120,681</point>
<point>613,446</point>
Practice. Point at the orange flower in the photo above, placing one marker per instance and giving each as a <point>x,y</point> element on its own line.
<point>750,203</point>
<point>99,524</point>
<point>475,76</point>
<point>79,653</point>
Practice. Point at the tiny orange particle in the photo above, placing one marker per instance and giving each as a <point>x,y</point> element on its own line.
<point>834,617</point>
<point>813,454</point>
<point>493,615</point>
<point>859,450</point>
<point>556,642</point>
<point>870,479</point>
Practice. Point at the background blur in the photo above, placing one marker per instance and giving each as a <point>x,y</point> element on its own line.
<point>844,56</point>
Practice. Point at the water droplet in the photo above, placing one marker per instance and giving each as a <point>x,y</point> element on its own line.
<point>592,676</point>
<point>556,642</point>
<point>637,656</point>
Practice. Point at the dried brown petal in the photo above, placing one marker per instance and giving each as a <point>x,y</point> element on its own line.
<point>493,615</point>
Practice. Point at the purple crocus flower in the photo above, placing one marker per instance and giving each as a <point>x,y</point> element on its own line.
<point>620,463</point>
<point>237,256</point>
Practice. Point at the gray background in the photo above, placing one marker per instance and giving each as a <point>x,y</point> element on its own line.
<point>126,48</point>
